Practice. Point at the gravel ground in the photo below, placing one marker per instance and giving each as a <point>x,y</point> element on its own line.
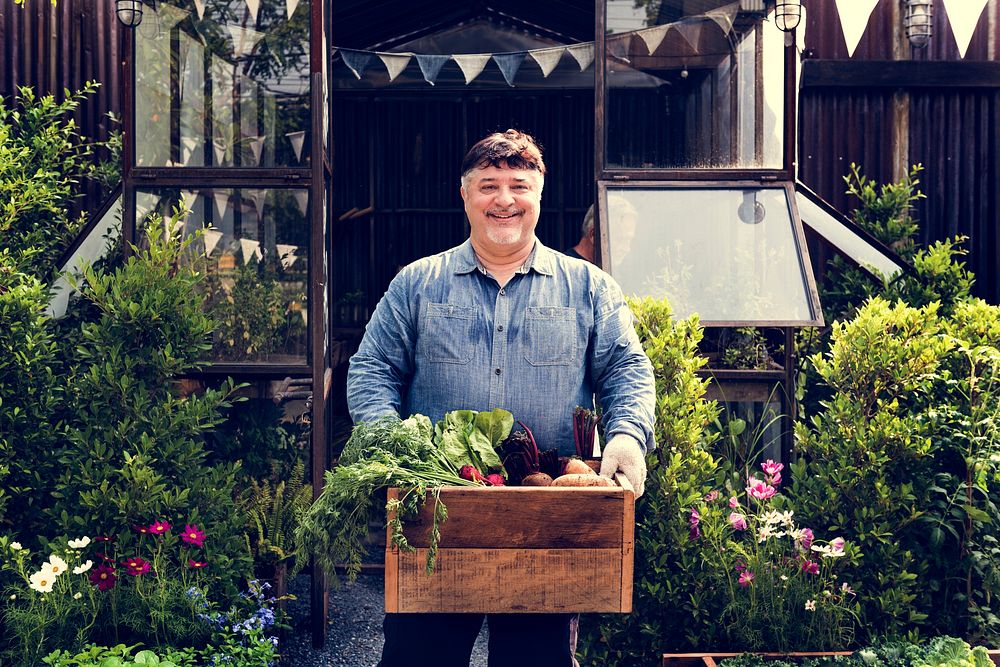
<point>354,632</point>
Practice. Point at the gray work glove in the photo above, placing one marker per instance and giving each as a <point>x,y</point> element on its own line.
<point>623,452</point>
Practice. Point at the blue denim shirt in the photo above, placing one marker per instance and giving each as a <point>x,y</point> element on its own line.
<point>446,336</point>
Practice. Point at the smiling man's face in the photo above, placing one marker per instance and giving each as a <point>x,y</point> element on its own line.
<point>502,205</point>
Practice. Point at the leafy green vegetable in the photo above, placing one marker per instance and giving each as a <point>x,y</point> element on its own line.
<point>469,438</point>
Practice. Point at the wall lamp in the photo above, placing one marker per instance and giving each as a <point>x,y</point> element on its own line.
<point>129,12</point>
<point>917,21</point>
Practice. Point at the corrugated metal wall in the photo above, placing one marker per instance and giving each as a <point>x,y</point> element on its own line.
<point>953,132</point>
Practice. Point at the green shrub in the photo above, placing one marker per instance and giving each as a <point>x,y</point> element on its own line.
<point>671,604</point>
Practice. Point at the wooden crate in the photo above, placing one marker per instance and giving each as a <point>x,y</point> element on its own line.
<point>519,550</point>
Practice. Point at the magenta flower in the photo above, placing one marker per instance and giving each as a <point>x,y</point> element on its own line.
<point>192,535</point>
<point>197,564</point>
<point>733,503</point>
<point>103,538</point>
<point>760,490</point>
<point>136,566</point>
<point>772,470</point>
<point>806,538</point>
<point>737,521</point>
<point>712,496</point>
<point>103,576</point>
<point>810,567</point>
<point>746,578</point>
<point>158,527</point>
<point>695,519</point>
<point>142,530</point>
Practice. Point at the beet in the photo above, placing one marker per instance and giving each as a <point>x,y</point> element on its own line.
<point>496,479</point>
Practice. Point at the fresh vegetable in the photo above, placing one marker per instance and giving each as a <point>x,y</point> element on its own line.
<point>582,480</point>
<point>574,466</point>
<point>521,457</point>
<point>584,430</point>
<point>537,479</point>
<point>385,453</point>
<point>467,437</point>
<point>496,479</point>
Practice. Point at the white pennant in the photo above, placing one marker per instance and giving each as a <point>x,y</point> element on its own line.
<point>188,197</point>
<point>964,16</point>
<point>395,62</point>
<point>244,39</point>
<point>290,6</point>
<point>169,16</point>
<point>654,36</point>
<point>305,316</point>
<point>691,32</point>
<point>547,59</point>
<point>188,144</point>
<point>287,254</point>
<point>257,147</point>
<point>302,200</point>
<point>250,249</point>
<point>254,7</point>
<point>258,197</point>
<point>724,16</point>
<point>144,203</point>
<point>211,237</point>
<point>583,53</point>
<point>220,152</point>
<point>854,16</point>
<point>471,64</point>
<point>221,200</point>
<point>199,6</point>
<point>297,138</point>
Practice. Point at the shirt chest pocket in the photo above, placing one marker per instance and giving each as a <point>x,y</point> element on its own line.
<point>550,336</point>
<point>446,333</point>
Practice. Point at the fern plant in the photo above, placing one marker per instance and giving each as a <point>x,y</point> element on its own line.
<point>273,513</point>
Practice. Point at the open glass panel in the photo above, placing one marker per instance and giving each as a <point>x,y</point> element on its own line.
<point>733,254</point>
<point>692,84</point>
<point>218,84</point>
<point>254,253</point>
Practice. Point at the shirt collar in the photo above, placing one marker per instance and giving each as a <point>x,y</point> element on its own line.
<point>540,260</point>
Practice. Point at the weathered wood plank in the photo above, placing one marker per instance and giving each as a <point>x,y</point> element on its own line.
<point>510,581</point>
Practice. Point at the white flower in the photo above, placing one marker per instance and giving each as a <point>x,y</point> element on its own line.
<point>786,518</point>
<point>13,596</point>
<point>810,605</point>
<point>42,580</point>
<point>15,546</point>
<point>83,567</point>
<point>771,517</point>
<point>56,564</point>
<point>80,543</point>
<point>77,595</point>
<point>784,577</point>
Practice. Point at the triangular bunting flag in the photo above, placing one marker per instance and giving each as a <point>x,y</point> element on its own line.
<point>618,46</point>
<point>297,139</point>
<point>724,16</point>
<point>430,66</point>
<point>169,16</point>
<point>691,32</point>
<point>653,37</point>
<point>302,200</point>
<point>547,59</point>
<point>188,146</point>
<point>221,199</point>
<point>471,64</point>
<point>188,197</point>
<point>395,62</point>
<point>199,6</point>
<point>244,39</point>
<point>964,16</point>
<point>250,249</point>
<point>305,316</point>
<point>854,15</point>
<point>290,6</point>
<point>357,61</point>
<point>211,237</point>
<point>254,7</point>
<point>286,253</point>
<point>583,54</point>
<point>258,197</point>
<point>220,152</point>
<point>509,63</point>
<point>144,203</point>
<point>257,147</point>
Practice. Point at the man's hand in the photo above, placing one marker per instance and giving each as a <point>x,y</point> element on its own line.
<point>624,453</point>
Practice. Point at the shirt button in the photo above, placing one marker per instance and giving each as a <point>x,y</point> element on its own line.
<point>499,327</point>
<point>497,371</point>
<point>502,292</point>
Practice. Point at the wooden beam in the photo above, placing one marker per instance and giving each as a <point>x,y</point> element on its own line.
<point>900,74</point>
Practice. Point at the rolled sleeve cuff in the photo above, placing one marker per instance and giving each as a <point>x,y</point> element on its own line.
<point>642,436</point>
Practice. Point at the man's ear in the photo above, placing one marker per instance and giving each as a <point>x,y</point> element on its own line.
<point>461,191</point>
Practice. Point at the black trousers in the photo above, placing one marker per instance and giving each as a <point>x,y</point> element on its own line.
<point>446,640</point>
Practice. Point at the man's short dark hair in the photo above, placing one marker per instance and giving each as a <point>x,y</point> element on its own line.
<point>514,148</point>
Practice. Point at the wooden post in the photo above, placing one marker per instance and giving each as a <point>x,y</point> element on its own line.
<point>900,102</point>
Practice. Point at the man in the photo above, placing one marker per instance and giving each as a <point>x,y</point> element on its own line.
<point>501,321</point>
<point>622,226</point>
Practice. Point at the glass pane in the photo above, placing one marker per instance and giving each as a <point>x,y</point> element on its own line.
<point>692,84</point>
<point>728,254</point>
<point>226,88</point>
<point>254,252</point>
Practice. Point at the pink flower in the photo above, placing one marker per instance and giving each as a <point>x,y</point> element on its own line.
<point>806,538</point>
<point>197,565</point>
<point>136,566</point>
<point>760,490</point>
<point>733,503</point>
<point>142,530</point>
<point>192,535</point>
<point>158,527</point>
<point>772,470</point>
<point>712,496</point>
<point>837,545</point>
<point>737,521</point>
<point>103,538</point>
<point>103,576</point>
<point>810,567</point>
<point>746,578</point>
<point>695,519</point>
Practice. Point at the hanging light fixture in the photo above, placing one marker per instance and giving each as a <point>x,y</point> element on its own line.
<point>917,22</point>
<point>129,12</point>
<point>787,14</point>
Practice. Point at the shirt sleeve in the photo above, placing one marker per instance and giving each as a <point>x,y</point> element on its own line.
<point>380,371</point>
<point>621,371</point>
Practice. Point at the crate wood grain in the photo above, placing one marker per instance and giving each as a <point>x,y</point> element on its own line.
<point>518,550</point>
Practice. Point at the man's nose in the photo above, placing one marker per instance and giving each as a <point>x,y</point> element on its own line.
<point>504,197</point>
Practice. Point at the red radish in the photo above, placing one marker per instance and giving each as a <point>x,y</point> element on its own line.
<point>496,479</point>
<point>470,473</point>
